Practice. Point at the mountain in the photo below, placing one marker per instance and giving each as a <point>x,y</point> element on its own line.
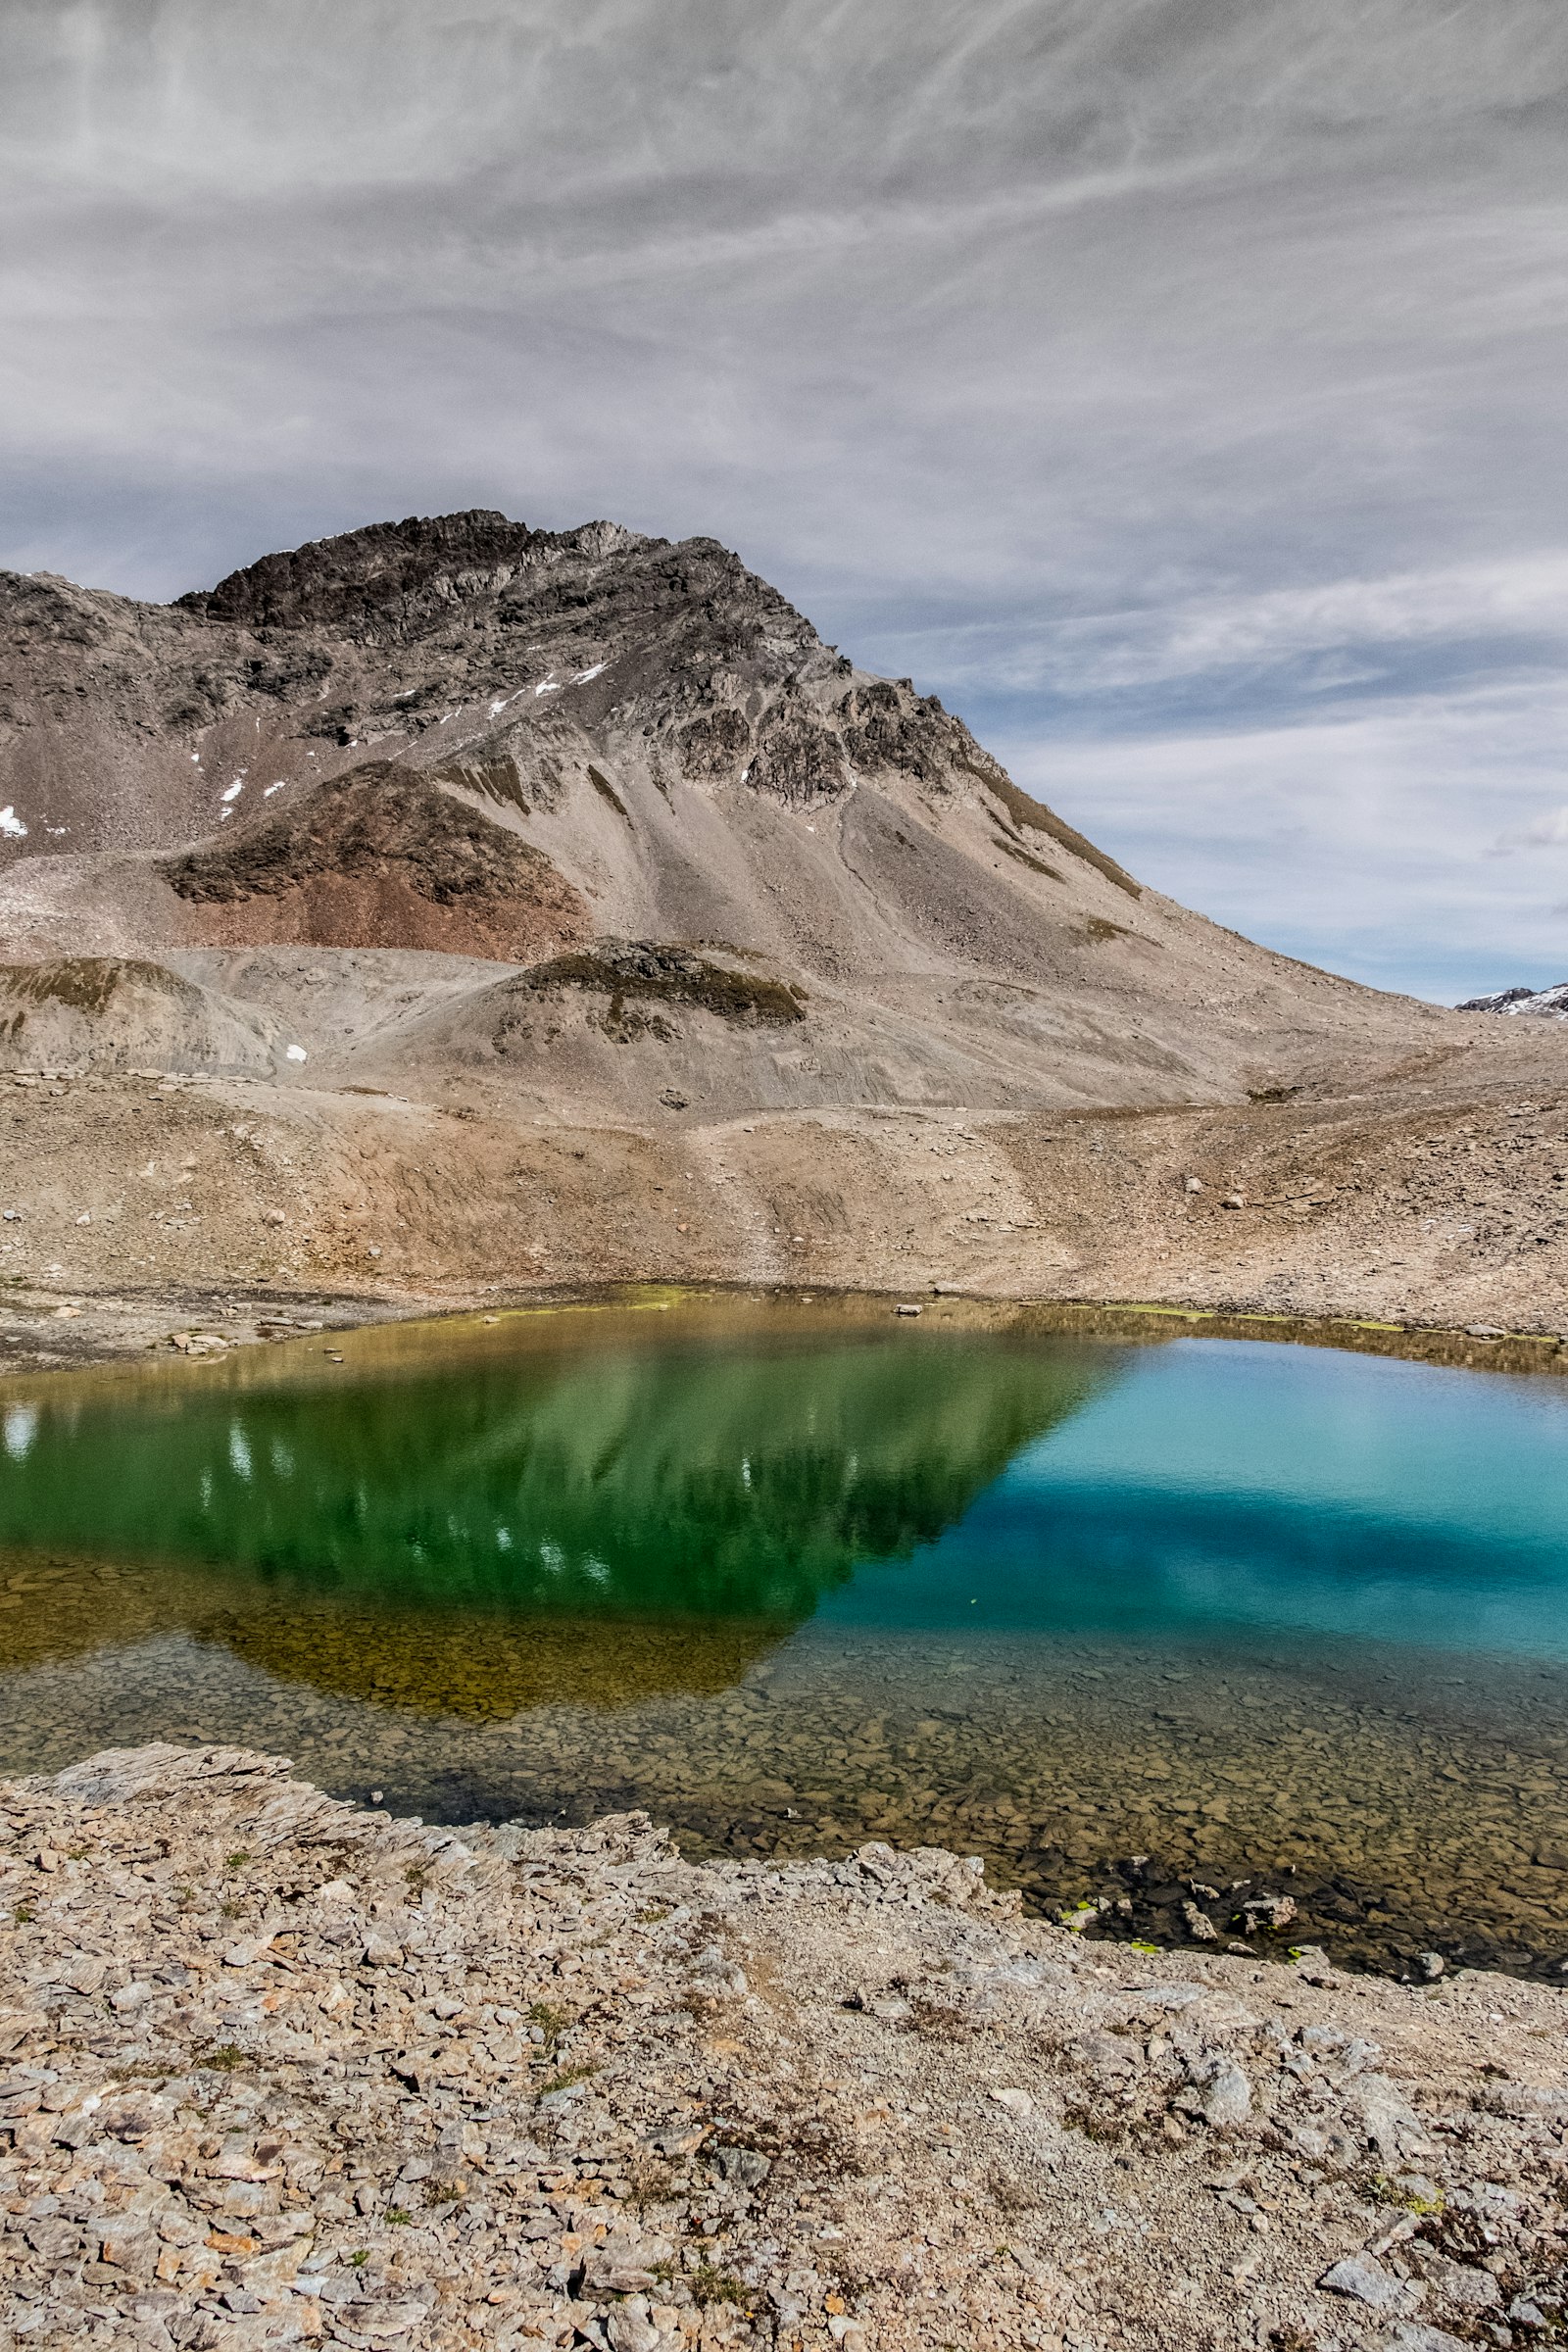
<point>466,736</point>
<point>588,841</point>
<point>1545,1004</point>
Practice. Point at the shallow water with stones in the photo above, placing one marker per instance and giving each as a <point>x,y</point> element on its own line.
<point>1157,1628</point>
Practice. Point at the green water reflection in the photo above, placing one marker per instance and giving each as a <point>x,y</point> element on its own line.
<point>438,1524</point>
<point>1125,1619</point>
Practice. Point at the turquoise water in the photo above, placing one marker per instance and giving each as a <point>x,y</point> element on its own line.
<point>792,1574</point>
<point>1227,1486</point>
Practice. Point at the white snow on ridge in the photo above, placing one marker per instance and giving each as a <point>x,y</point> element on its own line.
<point>1545,1004</point>
<point>583,675</point>
<point>549,686</point>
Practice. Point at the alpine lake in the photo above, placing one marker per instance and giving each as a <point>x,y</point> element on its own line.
<point>1161,1625</point>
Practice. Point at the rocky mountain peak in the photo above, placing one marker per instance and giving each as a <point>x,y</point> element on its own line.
<point>382,578</point>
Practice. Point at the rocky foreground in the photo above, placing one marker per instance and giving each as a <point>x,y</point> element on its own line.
<point>277,2069</point>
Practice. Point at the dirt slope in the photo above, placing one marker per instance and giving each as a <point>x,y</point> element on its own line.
<point>465,842</point>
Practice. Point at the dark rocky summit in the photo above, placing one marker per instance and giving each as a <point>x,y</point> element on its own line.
<point>397,632</point>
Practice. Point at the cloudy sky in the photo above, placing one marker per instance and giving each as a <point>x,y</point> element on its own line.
<point>1178,388</point>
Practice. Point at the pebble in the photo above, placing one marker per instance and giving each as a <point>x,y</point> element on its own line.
<point>1228,2097</point>
<point>275,2068</point>
<point>1363,2279</point>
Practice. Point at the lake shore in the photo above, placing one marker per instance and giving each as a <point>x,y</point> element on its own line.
<point>1426,1196</point>
<point>279,2068</point>
<point>43,1328</point>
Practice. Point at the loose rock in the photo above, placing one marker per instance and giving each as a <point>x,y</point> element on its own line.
<point>276,2070</point>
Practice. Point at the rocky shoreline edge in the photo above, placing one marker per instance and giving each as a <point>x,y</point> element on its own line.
<point>44,1327</point>
<point>275,2069</point>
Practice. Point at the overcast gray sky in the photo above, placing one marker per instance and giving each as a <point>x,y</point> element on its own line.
<point>1175,386</point>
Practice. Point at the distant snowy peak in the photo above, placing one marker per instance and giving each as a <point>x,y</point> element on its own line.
<point>1547,1004</point>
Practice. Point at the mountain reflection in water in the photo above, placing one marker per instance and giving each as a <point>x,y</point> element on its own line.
<point>1124,1619</point>
<point>506,1519</point>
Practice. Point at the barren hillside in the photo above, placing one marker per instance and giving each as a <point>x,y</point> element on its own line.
<point>503,905</point>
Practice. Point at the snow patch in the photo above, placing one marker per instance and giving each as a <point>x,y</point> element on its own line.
<point>549,686</point>
<point>233,792</point>
<point>1545,1004</point>
<point>583,675</point>
<point>297,1054</point>
<point>271,787</point>
<point>11,823</point>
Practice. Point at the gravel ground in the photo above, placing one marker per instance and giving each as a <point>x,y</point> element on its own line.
<point>282,2070</point>
<point>134,1212</point>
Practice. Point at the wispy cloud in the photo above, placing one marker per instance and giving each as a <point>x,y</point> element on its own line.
<point>1359,837</point>
<point>1154,373</point>
<point>1548,832</point>
<point>1521,602</point>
